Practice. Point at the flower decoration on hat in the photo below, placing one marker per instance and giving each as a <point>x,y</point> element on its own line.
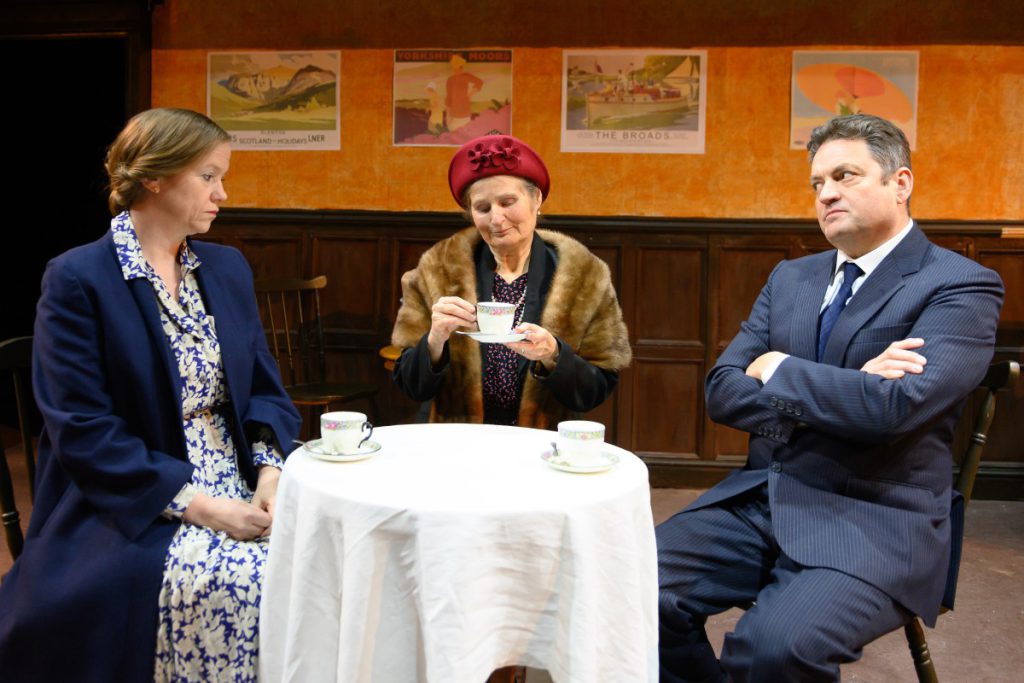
<point>500,154</point>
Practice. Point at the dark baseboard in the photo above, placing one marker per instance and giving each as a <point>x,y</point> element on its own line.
<point>689,475</point>
<point>999,481</point>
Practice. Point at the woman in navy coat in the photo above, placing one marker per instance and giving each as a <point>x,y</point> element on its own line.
<point>164,424</point>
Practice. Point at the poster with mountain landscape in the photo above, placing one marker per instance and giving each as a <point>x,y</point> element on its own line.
<point>276,100</point>
<point>446,97</point>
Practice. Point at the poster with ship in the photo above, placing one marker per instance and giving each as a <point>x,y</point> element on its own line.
<point>827,84</point>
<point>276,100</point>
<point>642,101</point>
<point>446,97</point>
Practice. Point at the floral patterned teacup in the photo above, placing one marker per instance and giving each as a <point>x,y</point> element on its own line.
<point>495,317</point>
<point>581,443</point>
<point>342,432</point>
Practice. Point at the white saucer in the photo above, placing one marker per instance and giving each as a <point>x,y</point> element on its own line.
<point>556,461</point>
<point>494,338</point>
<point>316,449</point>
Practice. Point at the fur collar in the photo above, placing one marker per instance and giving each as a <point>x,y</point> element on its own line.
<point>581,309</point>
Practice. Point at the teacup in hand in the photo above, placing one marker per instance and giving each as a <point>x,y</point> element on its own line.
<point>495,317</point>
<point>581,443</point>
<point>342,432</point>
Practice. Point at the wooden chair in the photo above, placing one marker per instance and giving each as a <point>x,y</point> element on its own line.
<point>1000,376</point>
<point>8,509</point>
<point>16,360</point>
<point>292,310</point>
<point>390,354</point>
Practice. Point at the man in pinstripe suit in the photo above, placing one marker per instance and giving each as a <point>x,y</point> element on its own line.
<point>850,380</point>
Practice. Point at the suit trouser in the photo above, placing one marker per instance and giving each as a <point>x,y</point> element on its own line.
<point>806,620</point>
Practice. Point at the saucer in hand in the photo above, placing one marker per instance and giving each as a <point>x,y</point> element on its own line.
<point>485,338</point>
<point>319,450</point>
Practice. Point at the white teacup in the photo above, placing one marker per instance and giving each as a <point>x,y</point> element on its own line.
<point>495,317</point>
<point>581,443</point>
<point>342,432</point>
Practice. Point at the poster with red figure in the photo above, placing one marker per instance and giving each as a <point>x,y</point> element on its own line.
<point>446,97</point>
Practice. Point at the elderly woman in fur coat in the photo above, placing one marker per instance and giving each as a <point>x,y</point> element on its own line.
<point>575,339</point>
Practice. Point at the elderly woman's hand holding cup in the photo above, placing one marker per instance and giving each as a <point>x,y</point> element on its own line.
<point>448,314</point>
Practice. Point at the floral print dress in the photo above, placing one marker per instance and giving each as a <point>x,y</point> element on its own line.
<point>501,382</point>
<point>210,595</point>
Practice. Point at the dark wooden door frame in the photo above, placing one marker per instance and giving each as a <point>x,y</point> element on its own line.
<point>57,20</point>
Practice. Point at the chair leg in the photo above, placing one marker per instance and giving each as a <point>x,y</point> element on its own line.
<point>8,512</point>
<point>919,651</point>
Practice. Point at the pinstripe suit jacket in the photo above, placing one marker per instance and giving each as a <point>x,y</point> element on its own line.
<point>859,469</point>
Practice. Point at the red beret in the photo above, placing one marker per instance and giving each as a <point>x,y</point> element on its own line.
<point>496,155</point>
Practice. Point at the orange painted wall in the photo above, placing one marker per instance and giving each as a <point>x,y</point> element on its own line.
<point>969,163</point>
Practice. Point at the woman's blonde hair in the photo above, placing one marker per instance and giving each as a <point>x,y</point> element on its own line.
<point>155,144</point>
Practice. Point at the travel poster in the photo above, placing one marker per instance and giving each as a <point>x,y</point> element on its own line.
<point>276,100</point>
<point>648,101</point>
<point>447,97</point>
<point>828,84</point>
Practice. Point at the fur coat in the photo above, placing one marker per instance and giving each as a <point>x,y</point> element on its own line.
<point>580,308</point>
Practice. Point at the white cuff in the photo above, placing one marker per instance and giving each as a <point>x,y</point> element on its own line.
<point>767,373</point>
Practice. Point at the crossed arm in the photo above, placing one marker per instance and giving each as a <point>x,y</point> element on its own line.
<point>897,360</point>
<point>905,386</point>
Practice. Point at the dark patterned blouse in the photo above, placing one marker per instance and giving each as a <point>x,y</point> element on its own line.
<point>501,364</point>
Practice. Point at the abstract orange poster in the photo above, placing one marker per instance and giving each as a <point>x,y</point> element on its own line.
<point>828,84</point>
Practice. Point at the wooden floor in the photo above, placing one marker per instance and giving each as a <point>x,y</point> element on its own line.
<point>980,641</point>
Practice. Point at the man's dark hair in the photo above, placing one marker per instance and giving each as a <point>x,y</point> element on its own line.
<point>887,143</point>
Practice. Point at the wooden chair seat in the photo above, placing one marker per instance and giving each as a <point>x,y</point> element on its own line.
<point>390,354</point>
<point>326,393</point>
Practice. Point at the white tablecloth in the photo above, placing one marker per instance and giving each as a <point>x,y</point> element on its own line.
<point>454,551</point>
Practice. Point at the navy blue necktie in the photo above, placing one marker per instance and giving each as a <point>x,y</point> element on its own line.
<point>851,271</point>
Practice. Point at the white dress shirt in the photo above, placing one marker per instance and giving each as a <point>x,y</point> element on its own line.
<point>867,263</point>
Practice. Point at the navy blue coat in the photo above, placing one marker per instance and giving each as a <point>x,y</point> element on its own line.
<point>859,468</point>
<point>80,604</point>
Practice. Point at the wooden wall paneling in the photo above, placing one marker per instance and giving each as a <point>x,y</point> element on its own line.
<point>670,296</point>
<point>274,256</point>
<point>626,278</point>
<point>405,256</point>
<point>1006,257</point>
<point>667,411</point>
<point>739,266</point>
<point>669,328</point>
<point>351,302</point>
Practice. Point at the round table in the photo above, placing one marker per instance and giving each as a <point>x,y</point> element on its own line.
<point>454,551</point>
